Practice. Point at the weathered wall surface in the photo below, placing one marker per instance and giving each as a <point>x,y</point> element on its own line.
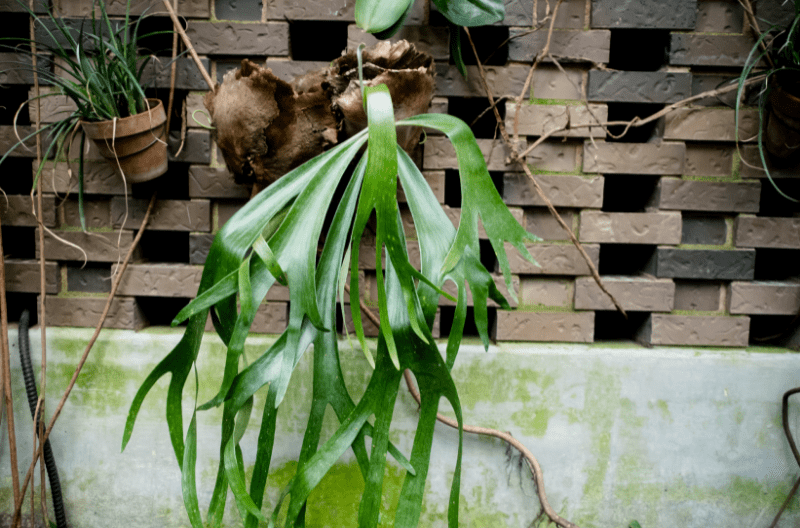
<point>670,437</point>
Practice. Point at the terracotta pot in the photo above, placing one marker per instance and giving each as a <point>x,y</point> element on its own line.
<point>136,145</point>
<point>782,128</point>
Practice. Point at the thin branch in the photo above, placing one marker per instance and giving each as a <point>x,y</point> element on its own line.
<point>101,322</point>
<point>175,22</point>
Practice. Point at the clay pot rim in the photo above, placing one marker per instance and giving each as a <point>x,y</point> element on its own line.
<point>126,126</point>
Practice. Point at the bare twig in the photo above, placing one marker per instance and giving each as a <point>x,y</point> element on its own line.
<point>753,21</point>
<point>101,322</point>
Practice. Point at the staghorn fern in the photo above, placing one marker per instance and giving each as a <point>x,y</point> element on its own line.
<point>274,238</point>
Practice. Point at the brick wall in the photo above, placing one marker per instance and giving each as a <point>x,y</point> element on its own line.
<point>688,235</point>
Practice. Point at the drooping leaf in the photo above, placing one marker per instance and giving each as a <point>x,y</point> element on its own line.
<point>471,13</point>
<point>374,16</point>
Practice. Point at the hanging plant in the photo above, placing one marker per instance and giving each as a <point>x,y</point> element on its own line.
<point>275,239</point>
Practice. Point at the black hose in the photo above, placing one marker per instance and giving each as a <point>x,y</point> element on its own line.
<point>33,399</point>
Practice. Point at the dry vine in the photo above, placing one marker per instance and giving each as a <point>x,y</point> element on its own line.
<point>118,278</point>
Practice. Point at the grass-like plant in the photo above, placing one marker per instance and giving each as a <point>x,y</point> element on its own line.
<point>275,238</point>
<point>97,65</point>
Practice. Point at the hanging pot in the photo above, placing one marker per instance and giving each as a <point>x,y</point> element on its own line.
<point>782,128</point>
<point>136,145</point>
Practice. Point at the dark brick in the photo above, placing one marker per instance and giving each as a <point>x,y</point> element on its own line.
<point>688,49</point>
<point>548,83</point>
<point>8,139</point>
<point>187,75</point>
<point>644,14</point>
<point>90,279</point>
<point>638,87</point>
<point>707,230</point>
<point>98,178</point>
<point>229,38</point>
<point>16,68</point>
<point>588,46</point>
<point>199,244</point>
<point>571,13</point>
<point>17,210</point>
<point>197,148</point>
<point>772,12</point>
<point>214,182</point>
<point>243,10</point>
<point>722,264</point>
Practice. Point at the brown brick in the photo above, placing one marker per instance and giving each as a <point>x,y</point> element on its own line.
<point>569,327</point>
<point>160,280</point>
<point>16,68</point>
<point>536,291</point>
<point>701,296</point>
<point>85,311</point>
<point>83,8</point>
<point>565,44</point>
<point>710,124</point>
<point>555,156</point>
<point>752,167</point>
<point>225,210</point>
<point>23,276</point>
<point>158,74</point>
<point>704,159</point>
<point>98,178</point>
<point>440,154</point>
<point>430,39</point>
<point>548,83</point>
<point>561,190</point>
<point>271,318</point>
<point>287,70</point>
<point>195,109</point>
<point>764,232</point>
<point>544,225</point>
<point>571,14</point>
<point>764,298</point>
<point>341,10</point>
<point>719,16</point>
<point>51,108</point>
<point>16,210</point>
<point>8,139</point>
<point>635,294</point>
<point>234,38</point>
<point>553,259</point>
<point>692,49</point>
<point>97,213</point>
<point>687,195</point>
<point>108,246</point>
<point>539,119</point>
<point>211,182</point>
<point>168,215</point>
<point>435,179</point>
<point>634,158</point>
<point>366,254</point>
<point>669,329</point>
<point>630,228</point>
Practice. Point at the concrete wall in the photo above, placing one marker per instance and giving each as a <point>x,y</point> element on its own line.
<point>667,436</point>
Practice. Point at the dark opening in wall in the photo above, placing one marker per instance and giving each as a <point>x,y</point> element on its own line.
<point>777,264</point>
<point>173,185</point>
<point>491,43</point>
<point>305,37</point>
<point>155,36</point>
<point>624,259</point>
<point>17,302</point>
<point>452,188</point>
<point>626,193</point>
<point>488,257</point>
<point>773,330</point>
<point>626,112</point>
<point>19,242</point>
<point>17,175</point>
<point>612,326</point>
<point>773,203</point>
<point>15,26</point>
<point>468,109</point>
<point>160,311</point>
<point>165,246</point>
<point>177,107</point>
<point>13,96</point>
<point>470,328</point>
<point>639,49</point>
